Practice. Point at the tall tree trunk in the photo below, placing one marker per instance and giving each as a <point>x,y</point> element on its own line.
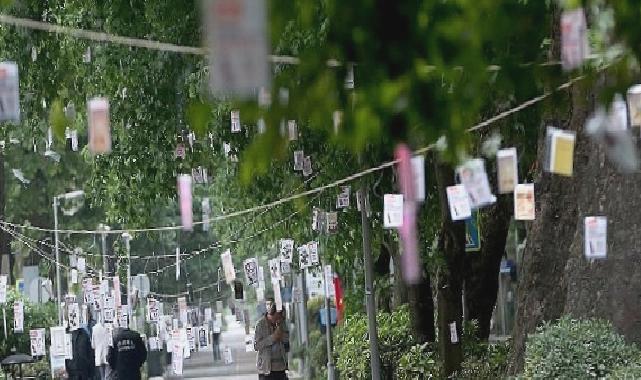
<point>542,286</point>
<point>482,268</point>
<point>399,289</point>
<point>6,259</point>
<point>450,277</point>
<point>422,310</point>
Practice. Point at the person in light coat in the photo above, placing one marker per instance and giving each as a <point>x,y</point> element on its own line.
<point>271,340</point>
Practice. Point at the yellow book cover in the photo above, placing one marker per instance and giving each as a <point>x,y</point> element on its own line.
<point>563,154</point>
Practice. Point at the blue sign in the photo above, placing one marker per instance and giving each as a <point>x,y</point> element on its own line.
<point>472,233</point>
<point>323,316</point>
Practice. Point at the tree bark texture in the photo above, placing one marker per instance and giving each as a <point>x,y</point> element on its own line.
<point>450,276</point>
<point>6,260</point>
<point>482,268</point>
<point>422,310</point>
<point>399,289</point>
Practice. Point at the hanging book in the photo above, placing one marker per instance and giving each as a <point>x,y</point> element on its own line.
<point>507,170</point>
<point>185,199</point>
<point>251,272</point>
<point>99,128</point>
<point>235,121</point>
<point>473,176</point>
<point>9,92</point>
<point>331,222</point>
<point>596,228</point>
<point>299,159</point>
<point>459,202</point>
<point>287,250</point>
<point>574,38</point>
<point>524,202</point>
<point>292,130</point>
<point>228,266</point>
<point>393,210</point>
<point>274,270</point>
<point>560,157</point>
<point>307,166</point>
<point>634,105</point>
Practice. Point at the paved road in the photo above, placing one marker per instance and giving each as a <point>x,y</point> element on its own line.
<point>201,364</point>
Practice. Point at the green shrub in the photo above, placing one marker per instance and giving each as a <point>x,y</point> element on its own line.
<point>576,349</point>
<point>490,364</point>
<point>419,363</point>
<point>629,372</point>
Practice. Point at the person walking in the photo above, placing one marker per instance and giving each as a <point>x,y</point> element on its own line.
<point>215,341</point>
<point>127,355</point>
<point>81,366</point>
<point>271,340</point>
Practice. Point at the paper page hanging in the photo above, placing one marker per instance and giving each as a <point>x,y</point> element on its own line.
<point>634,105</point>
<point>342,200</point>
<point>314,258</point>
<point>418,175</point>
<point>274,270</point>
<point>473,176</point>
<point>331,221</point>
<point>596,232</point>
<point>278,298</point>
<point>57,341</point>
<point>292,130</point>
<point>236,34</point>
<point>328,281</point>
<point>235,121</point>
<point>303,256</point>
<point>285,267</point>
<point>459,202</point>
<point>287,250</point>
<point>3,288</point>
<point>185,199</point>
<point>393,210</point>
<point>307,166</point>
<point>37,340</point>
<point>574,38</point>
<point>74,316</point>
<point>9,92</point>
<point>206,209</point>
<point>524,202</point>
<point>18,317</point>
<point>251,272</point>
<point>507,170</point>
<point>299,158</point>
<point>153,314</point>
<point>228,267</point>
<point>561,151</point>
<point>99,128</point>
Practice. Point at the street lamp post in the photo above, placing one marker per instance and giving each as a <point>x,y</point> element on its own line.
<point>56,204</point>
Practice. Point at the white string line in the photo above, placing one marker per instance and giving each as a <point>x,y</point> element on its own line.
<point>337,183</point>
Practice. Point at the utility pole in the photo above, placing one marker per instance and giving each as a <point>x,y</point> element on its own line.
<point>57,249</point>
<point>370,304</point>
<point>328,327</point>
<point>127,238</point>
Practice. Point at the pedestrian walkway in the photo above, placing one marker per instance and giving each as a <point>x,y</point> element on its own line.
<point>201,364</point>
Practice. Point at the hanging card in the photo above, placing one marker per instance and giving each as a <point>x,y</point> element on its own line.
<point>453,333</point>
<point>574,38</point>
<point>328,275</point>
<point>9,92</point>
<point>299,159</point>
<point>473,176</point>
<point>292,130</point>
<point>74,276</point>
<point>287,250</point>
<point>228,267</point>
<point>18,317</point>
<point>82,264</point>
<point>634,105</point>
<point>285,267</point>
<point>319,218</point>
<point>3,288</point>
<point>99,128</point>
<point>596,232</point>
<point>249,343</point>
<point>235,121</point>
<point>303,256</point>
<point>278,298</point>
<point>153,314</point>
<point>208,314</point>
<point>251,272</point>
<point>185,200</point>
<point>274,270</point>
<point>314,258</point>
<point>123,316</point>
<point>331,219</point>
<point>261,126</point>
<point>418,174</point>
<point>507,169</point>
<point>37,338</point>
<point>109,310</point>
<point>74,316</point>
<point>237,38</point>
<point>524,202</point>
<point>307,166</point>
<point>206,209</point>
<point>393,210</point>
<point>349,76</point>
<point>342,200</point>
<point>561,151</point>
<point>459,202</point>
<point>57,341</point>
<point>180,151</point>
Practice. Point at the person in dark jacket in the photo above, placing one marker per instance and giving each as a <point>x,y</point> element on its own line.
<point>127,355</point>
<point>81,366</point>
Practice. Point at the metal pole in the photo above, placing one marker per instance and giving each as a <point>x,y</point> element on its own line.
<point>328,327</point>
<point>57,249</point>
<point>105,262</point>
<point>127,238</point>
<point>369,293</point>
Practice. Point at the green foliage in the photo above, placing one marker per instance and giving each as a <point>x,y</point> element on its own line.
<point>352,344</point>
<point>35,316</point>
<point>576,349</point>
<point>628,372</point>
<point>421,362</point>
<point>490,364</point>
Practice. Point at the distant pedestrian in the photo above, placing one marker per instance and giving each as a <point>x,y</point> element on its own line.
<point>271,340</point>
<point>127,355</point>
<point>215,341</point>
<point>81,366</point>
